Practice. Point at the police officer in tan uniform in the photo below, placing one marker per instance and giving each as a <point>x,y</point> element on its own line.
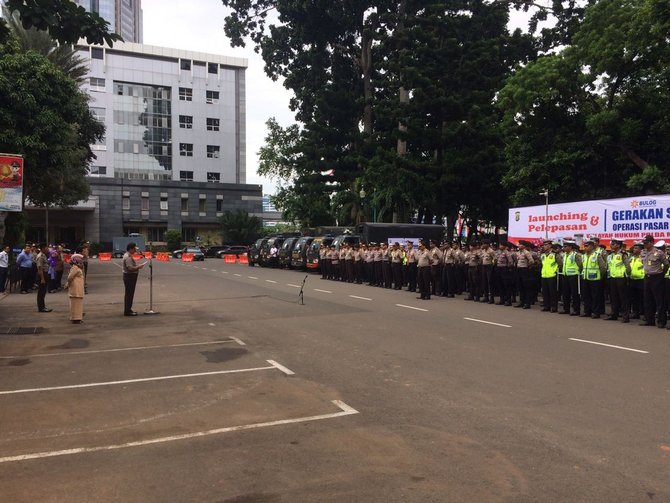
<point>655,266</point>
<point>424,261</point>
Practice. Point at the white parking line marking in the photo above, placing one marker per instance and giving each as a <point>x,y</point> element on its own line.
<point>322,291</point>
<point>211,324</point>
<point>204,269</point>
<point>488,322</point>
<point>239,341</point>
<point>238,275</point>
<point>128,381</point>
<point>609,345</point>
<point>291,284</point>
<point>252,277</point>
<point>225,272</point>
<point>357,297</point>
<point>117,350</point>
<point>214,270</point>
<point>345,410</point>
<point>410,307</point>
<point>270,281</point>
<point>286,371</point>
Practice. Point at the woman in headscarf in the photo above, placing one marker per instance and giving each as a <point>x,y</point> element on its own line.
<point>75,286</point>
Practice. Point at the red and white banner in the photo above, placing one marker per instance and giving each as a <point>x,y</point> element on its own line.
<point>11,182</point>
<point>629,219</point>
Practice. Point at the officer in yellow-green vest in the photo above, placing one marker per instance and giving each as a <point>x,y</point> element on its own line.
<point>618,269</point>
<point>593,271</point>
<point>571,270</point>
<point>549,278</point>
<point>636,281</point>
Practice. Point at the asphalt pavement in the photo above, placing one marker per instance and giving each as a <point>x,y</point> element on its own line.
<point>242,390</point>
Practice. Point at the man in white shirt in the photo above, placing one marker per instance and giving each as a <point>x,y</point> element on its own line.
<point>4,267</point>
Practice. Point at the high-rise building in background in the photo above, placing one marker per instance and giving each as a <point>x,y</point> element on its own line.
<point>124,16</point>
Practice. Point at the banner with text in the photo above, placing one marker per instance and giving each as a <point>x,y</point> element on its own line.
<point>628,219</point>
<point>11,182</point>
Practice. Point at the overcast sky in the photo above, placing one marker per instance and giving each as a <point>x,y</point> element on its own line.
<point>197,25</point>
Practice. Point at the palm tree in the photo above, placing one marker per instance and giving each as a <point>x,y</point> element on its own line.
<point>63,56</point>
<point>238,227</point>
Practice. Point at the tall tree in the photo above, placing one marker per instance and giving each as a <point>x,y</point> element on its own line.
<point>592,120</point>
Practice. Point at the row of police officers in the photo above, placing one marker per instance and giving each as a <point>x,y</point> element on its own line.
<point>637,282</point>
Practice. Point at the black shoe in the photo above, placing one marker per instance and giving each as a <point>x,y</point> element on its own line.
<point>626,320</point>
<point>564,312</point>
<point>45,310</point>
<point>635,317</point>
<point>595,316</point>
<point>575,314</point>
<point>612,318</point>
<point>519,305</point>
<point>661,325</point>
<point>420,298</point>
<point>77,322</point>
<point>645,324</point>
<point>508,304</point>
<point>554,310</point>
<point>526,307</point>
<point>131,313</point>
<point>544,310</point>
<point>585,315</point>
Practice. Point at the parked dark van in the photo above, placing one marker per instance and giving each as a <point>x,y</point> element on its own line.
<point>313,251</point>
<point>299,252</point>
<point>255,251</point>
<point>285,252</point>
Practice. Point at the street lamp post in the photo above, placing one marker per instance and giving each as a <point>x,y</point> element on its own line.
<point>362,195</point>
<point>545,193</point>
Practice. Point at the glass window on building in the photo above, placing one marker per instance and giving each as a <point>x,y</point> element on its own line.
<point>98,113</point>
<point>219,205</point>
<point>213,177</point>
<point>188,234</point>
<point>212,124</point>
<point>186,149</point>
<point>185,94</point>
<point>97,53</point>
<point>212,97</point>
<point>97,84</point>
<point>157,233</point>
<point>185,176</point>
<point>213,151</point>
<point>184,203</point>
<point>185,64</point>
<point>97,170</point>
<point>186,121</point>
<point>212,68</point>
<point>145,203</point>
<point>201,205</point>
<point>125,202</point>
<point>127,231</point>
<point>164,207</point>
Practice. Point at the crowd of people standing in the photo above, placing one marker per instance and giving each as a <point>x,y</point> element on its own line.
<point>571,280</point>
<point>41,268</point>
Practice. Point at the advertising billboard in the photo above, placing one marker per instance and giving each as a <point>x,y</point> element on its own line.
<point>629,219</point>
<point>11,182</point>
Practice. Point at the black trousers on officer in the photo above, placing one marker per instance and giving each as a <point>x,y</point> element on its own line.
<point>41,294</point>
<point>129,282</point>
<point>349,265</point>
<point>424,281</point>
<point>654,299</point>
<point>436,279</point>
<point>550,293</point>
<point>396,268</point>
<point>505,278</point>
<point>412,276</point>
<point>591,293</point>
<point>635,294</point>
<point>387,274</point>
<point>473,282</point>
<point>359,266</point>
<point>323,266</point>
<point>571,294</point>
<point>379,278</point>
<point>450,283</point>
<point>619,298</point>
<point>486,275</point>
<point>526,285</point>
